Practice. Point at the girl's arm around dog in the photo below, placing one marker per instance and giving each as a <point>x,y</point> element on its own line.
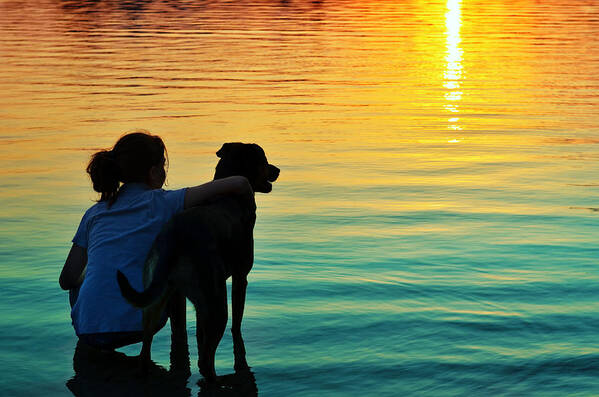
<point>198,195</point>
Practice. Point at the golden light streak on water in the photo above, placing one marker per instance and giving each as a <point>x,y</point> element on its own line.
<point>453,66</point>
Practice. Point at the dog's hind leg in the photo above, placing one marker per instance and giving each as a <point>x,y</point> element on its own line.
<point>146,351</point>
<point>214,328</point>
<point>179,346</point>
<point>153,321</point>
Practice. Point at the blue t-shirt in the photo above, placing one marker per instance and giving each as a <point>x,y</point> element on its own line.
<point>119,238</point>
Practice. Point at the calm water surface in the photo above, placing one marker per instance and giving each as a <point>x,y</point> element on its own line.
<point>433,228</point>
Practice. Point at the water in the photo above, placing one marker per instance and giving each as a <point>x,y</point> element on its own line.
<point>432,231</point>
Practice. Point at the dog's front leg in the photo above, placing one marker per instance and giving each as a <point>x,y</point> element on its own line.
<point>179,345</point>
<point>239,286</point>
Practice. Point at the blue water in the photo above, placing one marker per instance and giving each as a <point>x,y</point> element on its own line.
<point>433,230</point>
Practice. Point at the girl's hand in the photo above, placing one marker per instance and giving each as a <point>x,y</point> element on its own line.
<point>73,271</point>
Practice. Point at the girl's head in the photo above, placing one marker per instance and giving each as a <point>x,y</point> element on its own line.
<point>136,157</point>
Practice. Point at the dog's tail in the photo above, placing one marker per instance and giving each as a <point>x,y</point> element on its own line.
<point>137,299</point>
<point>156,270</point>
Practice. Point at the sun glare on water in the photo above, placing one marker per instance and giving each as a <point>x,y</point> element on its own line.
<point>453,66</point>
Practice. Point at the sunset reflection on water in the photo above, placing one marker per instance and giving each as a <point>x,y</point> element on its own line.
<point>453,71</point>
<point>438,180</point>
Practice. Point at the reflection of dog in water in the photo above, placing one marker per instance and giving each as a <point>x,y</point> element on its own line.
<point>109,373</point>
<point>197,251</point>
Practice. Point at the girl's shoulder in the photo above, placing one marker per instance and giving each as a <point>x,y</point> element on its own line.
<point>135,201</point>
<point>93,211</point>
<point>96,208</point>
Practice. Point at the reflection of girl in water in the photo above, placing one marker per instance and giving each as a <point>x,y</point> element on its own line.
<point>117,232</point>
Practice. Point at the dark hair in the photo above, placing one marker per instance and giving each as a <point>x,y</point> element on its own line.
<point>129,160</point>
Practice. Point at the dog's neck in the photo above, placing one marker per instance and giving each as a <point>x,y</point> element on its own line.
<point>246,200</point>
<point>225,169</point>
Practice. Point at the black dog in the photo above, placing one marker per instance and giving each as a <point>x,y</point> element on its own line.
<point>197,251</point>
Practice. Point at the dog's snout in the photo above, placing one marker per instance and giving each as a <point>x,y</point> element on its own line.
<point>273,173</point>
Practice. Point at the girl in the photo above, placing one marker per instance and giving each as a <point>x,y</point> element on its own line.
<point>117,232</point>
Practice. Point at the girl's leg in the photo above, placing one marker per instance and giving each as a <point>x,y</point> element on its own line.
<point>114,340</point>
<point>111,340</point>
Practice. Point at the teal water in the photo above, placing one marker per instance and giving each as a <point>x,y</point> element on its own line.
<point>433,231</point>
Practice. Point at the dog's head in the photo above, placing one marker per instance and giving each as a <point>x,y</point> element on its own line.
<point>249,160</point>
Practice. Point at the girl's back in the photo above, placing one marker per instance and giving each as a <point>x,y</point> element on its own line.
<point>118,237</point>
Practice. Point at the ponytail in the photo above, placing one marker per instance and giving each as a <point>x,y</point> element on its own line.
<point>129,161</point>
<point>104,172</point>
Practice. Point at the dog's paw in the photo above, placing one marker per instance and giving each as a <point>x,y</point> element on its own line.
<point>209,383</point>
<point>241,366</point>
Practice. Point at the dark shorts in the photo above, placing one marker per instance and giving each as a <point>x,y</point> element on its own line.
<point>110,340</point>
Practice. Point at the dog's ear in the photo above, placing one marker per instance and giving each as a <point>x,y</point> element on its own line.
<point>225,149</point>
